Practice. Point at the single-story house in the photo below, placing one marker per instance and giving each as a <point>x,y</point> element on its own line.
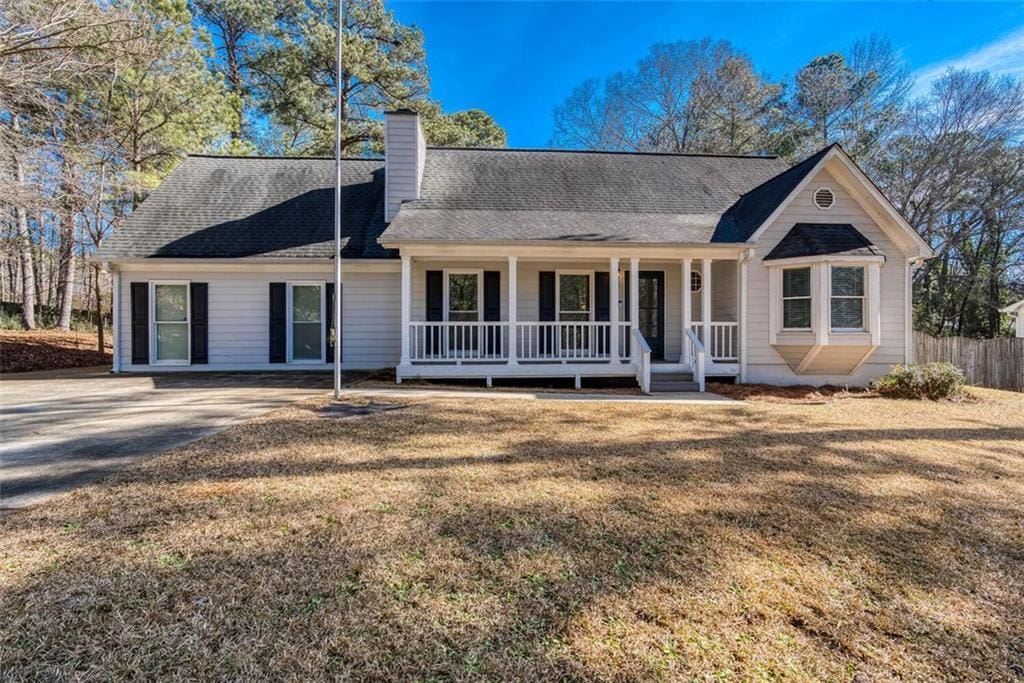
<point>531,263</point>
<point>1016,311</point>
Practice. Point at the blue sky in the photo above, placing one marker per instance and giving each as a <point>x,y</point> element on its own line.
<point>518,60</point>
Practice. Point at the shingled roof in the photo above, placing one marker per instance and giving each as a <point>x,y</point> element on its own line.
<point>822,239</point>
<point>273,207</point>
<point>256,207</point>
<point>490,195</point>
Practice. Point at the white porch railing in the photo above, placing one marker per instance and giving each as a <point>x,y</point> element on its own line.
<point>698,353</point>
<point>723,345</point>
<point>642,361</point>
<point>445,342</point>
<point>568,341</point>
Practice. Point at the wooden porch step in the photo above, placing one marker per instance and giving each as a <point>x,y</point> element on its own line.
<point>673,381</point>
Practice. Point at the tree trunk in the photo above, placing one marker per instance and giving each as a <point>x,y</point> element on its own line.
<point>28,276</point>
<point>99,310</point>
<point>67,270</point>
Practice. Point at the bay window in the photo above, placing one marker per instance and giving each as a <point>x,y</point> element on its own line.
<point>846,305</point>
<point>796,299</point>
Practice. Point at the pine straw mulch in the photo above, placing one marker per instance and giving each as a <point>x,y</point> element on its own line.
<point>29,350</point>
<point>535,540</point>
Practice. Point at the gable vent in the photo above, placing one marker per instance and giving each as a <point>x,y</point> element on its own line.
<point>824,198</point>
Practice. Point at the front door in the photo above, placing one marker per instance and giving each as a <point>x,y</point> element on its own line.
<point>652,311</point>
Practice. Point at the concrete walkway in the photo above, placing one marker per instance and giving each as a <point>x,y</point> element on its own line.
<point>681,398</point>
<point>61,429</point>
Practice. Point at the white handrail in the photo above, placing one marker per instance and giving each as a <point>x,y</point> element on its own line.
<point>642,361</point>
<point>583,340</point>
<point>697,353</point>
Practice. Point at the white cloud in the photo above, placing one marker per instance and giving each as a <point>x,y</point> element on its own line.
<point>1004,57</point>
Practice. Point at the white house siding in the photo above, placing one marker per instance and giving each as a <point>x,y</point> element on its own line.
<point>239,325</point>
<point>724,291</point>
<point>764,364</point>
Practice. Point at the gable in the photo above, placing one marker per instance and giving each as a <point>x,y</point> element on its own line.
<point>836,170</point>
<point>846,210</point>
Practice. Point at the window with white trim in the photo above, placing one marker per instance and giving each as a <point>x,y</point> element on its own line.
<point>574,297</point>
<point>305,322</point>
<point>463,296</point>
<point>796,298</point>
<point>170,321</point>
<point>846,306</point>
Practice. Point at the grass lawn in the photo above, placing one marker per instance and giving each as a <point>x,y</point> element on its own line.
<point>535,540</point>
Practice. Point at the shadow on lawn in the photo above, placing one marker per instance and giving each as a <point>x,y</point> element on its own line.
<point>474,542</point>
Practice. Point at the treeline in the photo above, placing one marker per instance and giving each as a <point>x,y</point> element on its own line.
<point>100,100</point>
<point>951,158</point>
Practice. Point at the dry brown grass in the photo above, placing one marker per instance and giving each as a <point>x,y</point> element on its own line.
<point>532,540</point>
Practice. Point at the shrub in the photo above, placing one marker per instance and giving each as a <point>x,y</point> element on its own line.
<point>931,380</point>
<point>10,321</point>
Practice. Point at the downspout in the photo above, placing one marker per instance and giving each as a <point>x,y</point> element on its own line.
<point>115,318</point>
<point>747,255</point>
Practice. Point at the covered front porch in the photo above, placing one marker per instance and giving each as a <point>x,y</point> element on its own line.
<point>481,316</point>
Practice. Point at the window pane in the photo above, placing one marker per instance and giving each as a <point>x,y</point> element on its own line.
<point>796,282</point>
<point>462,291</point>
<point>847,313</point>
<point>848,281</point>
<point>574,293</point>
<point>306,340</point>
<point>172,341</point>
<point>796,314</point>
<point>574,317</point>
<point>171,302</point>
<point>306,303</point>
<point>462,316</point>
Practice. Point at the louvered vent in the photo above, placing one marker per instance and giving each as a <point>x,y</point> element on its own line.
<point>824,198</point>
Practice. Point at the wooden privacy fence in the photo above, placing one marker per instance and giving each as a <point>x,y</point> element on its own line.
<point>995,363</point>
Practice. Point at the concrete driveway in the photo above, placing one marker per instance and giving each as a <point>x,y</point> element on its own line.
<point>61,429</point>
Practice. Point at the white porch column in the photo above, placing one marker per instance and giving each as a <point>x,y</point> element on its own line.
<point>513,309</point>
<point>406,307</point>
<point>705,303</point>
<point>634,302</point>
<point>613,307</point>
<point>687,299</point>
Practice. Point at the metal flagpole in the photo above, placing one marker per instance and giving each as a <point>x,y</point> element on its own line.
<point>337,207</point>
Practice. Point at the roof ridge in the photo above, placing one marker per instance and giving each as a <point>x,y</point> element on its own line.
<point>282,157</point>
<point>554,150</point>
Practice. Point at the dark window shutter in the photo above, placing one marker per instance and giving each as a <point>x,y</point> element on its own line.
<point>199,297</point>
<point>328,341</point>
<point>547,312</point>
<point>547,295</point>
<point>492,309</point>
<point>625,296</point>
<point>140,323</point>
<point>435,295</point>
<point>435,309</point>
<point>602,310</point>
<point>278,322</point>
<point>492,295</point>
